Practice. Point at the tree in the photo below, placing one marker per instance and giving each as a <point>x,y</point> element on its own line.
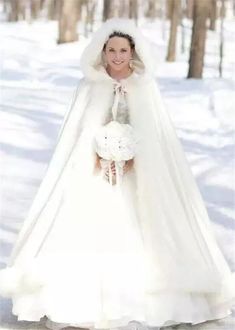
<point>68,16</point>
<point>175,14</point>
<point>34,8</point>
<point>152,9</point>
<point>123,10</point>
<point>133,9</point>
<point>17,10</point>
<point>189,8</point>
<point>221,48</point>
<point>53,10</point>
<point>107,9</point>
<point>198,39</point>
<point>213,14</point>
<point>163,12</point>
<point>183,29</point>
<point>90,6</point>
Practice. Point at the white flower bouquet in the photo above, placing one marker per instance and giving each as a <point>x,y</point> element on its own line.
<point>115,142</point>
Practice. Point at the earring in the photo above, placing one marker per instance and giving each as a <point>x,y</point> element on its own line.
<point>131,63</point>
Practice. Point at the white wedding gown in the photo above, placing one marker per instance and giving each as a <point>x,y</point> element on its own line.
<point>92,269</point>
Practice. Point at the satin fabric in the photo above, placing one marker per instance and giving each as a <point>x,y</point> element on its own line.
<point>91,254</point>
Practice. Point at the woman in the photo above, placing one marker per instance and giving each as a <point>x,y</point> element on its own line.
<point>97,252</point>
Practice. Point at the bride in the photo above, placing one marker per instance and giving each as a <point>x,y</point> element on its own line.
<point>110,241</point>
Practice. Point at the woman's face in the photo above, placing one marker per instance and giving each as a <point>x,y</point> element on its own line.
<point>118,53</point>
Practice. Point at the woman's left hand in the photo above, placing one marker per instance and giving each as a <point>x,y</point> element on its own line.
<point>128,165</point>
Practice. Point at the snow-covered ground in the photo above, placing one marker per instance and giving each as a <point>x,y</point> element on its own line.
<point>37,79</point>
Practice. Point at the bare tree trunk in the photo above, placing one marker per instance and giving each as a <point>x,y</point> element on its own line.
<point>68,21</point>
<point>5,6</point>
<point>107,9</point>
<point>123,8</point>
<point>169,8</point>
<point>14,11</point>
<point>80,5</point>
<point>222,9</point>
<point>183,32</point>
<point>189,8</point>
<point>133,9</point>
<point>17,10</point>
<point>221,48</point>
<point>198,39</point>
<point>213,14</point>
<point>163,19</point>
<point>53,9</point>
<point>34,8</point>
<point>151,10</point>
<point>175,15</point>
<point>90,12</point>
<point>42,3</point>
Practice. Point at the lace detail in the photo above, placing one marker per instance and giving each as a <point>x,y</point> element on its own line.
<point>122,115</point>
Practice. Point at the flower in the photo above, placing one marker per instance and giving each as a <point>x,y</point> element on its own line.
<point>116,142</point>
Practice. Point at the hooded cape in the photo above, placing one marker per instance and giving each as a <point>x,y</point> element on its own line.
<point>177,231</point>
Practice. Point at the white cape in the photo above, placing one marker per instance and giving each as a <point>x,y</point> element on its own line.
<point>80,232</point>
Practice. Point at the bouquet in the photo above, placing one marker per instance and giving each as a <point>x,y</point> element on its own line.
<point>115,142</point>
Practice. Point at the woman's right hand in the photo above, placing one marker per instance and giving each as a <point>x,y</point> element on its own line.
<point>97,163</point>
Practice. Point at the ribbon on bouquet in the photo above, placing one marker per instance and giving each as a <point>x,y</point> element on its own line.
<point>119,89</point>
<point>106,165</point>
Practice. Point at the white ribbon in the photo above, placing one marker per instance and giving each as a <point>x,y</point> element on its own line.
<point>119,89</point>
<point>106,166</point>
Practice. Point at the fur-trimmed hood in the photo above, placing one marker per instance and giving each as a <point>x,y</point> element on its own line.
<point>92,59</point>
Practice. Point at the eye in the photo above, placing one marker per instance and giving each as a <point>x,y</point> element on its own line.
<point>111,50</point>
<point>123,50</point>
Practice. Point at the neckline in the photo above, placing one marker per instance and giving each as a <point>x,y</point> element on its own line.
<point>121,79</point>
<point>108,77</point>
<point>135,77</point>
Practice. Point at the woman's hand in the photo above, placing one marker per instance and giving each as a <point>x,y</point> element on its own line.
<point>128,165</point>
<point>97,166</point>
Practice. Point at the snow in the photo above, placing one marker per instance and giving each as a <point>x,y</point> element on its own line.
<point>38,78</point>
